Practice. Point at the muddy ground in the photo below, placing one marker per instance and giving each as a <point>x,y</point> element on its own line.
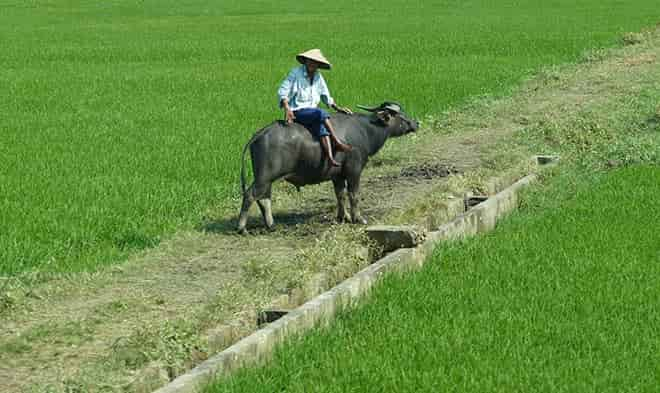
<point>109,330</point>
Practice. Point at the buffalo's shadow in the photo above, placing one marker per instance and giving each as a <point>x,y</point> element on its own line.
<point>256,224</point>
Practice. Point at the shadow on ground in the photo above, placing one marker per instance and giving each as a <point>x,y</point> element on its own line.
<point>255,225</point>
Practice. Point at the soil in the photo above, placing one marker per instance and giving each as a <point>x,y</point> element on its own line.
<point>94,332</point>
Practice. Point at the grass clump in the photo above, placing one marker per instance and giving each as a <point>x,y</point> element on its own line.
<point>173,343</point>
<point>562,296</point>
<point>623,132</point>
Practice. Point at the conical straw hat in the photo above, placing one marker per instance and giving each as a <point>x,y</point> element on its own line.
<point>316,55</point>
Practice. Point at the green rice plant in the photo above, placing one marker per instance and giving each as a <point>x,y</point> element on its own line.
<point>122,122</point>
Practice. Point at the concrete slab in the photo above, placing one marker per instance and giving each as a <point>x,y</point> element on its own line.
<point>390,237</point>
<point>474,200</point>
<point>546,159</point>
<point>269,316</point>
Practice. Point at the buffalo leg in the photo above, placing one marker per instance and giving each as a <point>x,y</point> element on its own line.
<point>248,199</point>
<point>266,209</point>
<point>256,191</point>
<point>353,196</point>
<point>340,193</point>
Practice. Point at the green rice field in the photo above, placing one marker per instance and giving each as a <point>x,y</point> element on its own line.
<point>562,297</point>
<point>121,122</point>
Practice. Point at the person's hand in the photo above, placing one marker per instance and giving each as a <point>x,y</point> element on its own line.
<point>343,110</point>
<point>290,117</point>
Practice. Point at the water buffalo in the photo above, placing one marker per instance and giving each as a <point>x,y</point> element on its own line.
<point>289,152</point>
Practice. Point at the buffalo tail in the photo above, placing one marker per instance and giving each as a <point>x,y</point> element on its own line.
<point>256,136</point>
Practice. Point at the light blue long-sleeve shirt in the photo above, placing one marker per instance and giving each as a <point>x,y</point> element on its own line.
<point>300,93</point>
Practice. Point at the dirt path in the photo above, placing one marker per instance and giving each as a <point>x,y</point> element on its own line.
<point>93,332</point>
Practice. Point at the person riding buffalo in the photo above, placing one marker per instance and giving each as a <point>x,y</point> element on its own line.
<point>300,94</point>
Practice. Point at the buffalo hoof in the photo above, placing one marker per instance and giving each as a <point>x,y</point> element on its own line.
<point>359,220</point>
<point>242,231</point>
<point>343,218</point>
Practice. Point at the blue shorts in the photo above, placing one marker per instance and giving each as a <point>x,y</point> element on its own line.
<point>313,119</point>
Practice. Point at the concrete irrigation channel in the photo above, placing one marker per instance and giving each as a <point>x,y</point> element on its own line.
<point>406,248</point>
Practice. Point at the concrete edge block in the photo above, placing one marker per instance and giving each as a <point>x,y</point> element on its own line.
<point>393,237</point>
<point>489,211</point>
<point>219,338</point>
<point>453,206</point>
<point>545,160</point>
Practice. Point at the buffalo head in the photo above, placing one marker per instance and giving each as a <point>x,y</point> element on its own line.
<point>391,115</point>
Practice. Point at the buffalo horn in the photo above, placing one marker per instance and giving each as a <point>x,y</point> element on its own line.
<point>392,107</point>
<point>369,108</point>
